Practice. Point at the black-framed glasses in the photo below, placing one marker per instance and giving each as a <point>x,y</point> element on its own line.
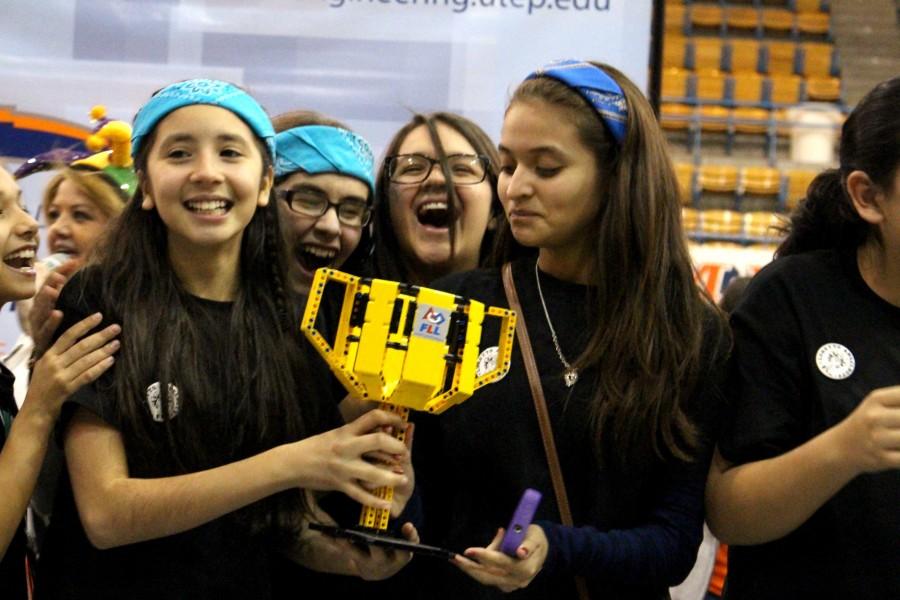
<point>352,213</point>
<point>466,169</point>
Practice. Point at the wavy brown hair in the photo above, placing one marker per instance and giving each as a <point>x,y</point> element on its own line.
<point>649,317</point>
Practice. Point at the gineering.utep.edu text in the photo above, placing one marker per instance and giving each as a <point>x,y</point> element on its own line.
<point>460,6</point>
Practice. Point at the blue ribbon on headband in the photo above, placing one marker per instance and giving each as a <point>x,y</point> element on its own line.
<point>599,89</point>
<point>316,149</point>
<point>202,91</point>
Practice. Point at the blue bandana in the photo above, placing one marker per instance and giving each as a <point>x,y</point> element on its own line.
<point>202,91</point>
<point>595,86</point>
<point>316,149</point>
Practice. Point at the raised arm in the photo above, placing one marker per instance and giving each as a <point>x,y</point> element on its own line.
<point>761,501</point>
<point>118,509</point>
<point>65,367</point>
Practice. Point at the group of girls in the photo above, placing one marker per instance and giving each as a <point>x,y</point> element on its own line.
<point>197,461</point>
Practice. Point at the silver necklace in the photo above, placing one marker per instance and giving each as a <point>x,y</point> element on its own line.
<point>571,374</point>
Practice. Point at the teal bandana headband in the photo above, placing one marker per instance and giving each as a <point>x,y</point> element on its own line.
<point>202,91</point>
<point>599,89</point>
<point>316,149</point>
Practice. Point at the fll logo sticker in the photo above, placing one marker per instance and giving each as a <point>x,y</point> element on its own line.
<point>431,323</point>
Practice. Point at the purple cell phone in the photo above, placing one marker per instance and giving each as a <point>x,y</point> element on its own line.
<point>520,521</point>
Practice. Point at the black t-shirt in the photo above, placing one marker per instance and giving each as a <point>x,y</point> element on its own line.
<point>217,560</point>
<point>12,566</point>
<point>811,341</point>
<point>475,460</point>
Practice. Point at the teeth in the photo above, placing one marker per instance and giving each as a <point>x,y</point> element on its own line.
<point>25,253</point>
<point>22,260</point>
<point>433,206</point>
<point>208,206</point>
<point>320,252</point>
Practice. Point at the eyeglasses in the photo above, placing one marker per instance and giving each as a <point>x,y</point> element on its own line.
<point>352,213</point>
<point>466,169</point>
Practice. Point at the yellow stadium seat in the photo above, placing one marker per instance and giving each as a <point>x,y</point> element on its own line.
<point>706,15</point>
<point>717,178</point>
<point>807,5</point>
<point>675,117</point>
<point>744,56</point>
<point>760,181</point>
<point>750,120</point>
<point>798,182</point>
<point>778,20</point>
<point>675,17</point>
<point>674,50</point>
<point>814,23</point>
<point>748,89</point>
<point>817,59</point>
<point>827,89</point>
<point>784,89</point>
<point>763,224</point>
<point>674,83</point>
<point>714,118</point>
<point>781,58</point>
<point>707,53</point>
<point>690,219</point>
<point>745,18</point>
<point>711,86</point>
<point>721,222</point>
<point>782,122</point>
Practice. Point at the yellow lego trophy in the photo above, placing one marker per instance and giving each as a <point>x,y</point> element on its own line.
<point>405,346</point>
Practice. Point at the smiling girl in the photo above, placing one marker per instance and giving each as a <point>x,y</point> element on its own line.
<point>325,185</point>
<point>186,461</point>
<point>70,363</point>
<point>436,201</point>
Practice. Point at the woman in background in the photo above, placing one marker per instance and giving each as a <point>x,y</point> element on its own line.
<point>806,484</point>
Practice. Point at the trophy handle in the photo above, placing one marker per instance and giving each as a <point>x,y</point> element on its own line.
<point>377,518</point>
<point>337,357</point>
<point>504,345</point>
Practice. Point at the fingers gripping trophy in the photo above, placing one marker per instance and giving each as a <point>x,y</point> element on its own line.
<point>407,347</point>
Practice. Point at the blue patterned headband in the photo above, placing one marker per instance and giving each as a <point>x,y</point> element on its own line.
<point>202,91</point>
<point>316,149</point>
<point>599,89</point>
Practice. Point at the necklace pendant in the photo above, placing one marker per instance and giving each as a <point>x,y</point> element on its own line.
<point>571,377</point>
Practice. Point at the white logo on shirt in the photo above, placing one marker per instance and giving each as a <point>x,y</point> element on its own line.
<point>835,361</point>
<point>155,405</point>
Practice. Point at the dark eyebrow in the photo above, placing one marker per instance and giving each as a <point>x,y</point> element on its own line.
<point>308,187</point>
<point>551,150</point>
<point>176,138</point>
<point>314,189</point>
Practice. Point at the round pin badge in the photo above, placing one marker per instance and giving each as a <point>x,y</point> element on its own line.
<point>835,361</point>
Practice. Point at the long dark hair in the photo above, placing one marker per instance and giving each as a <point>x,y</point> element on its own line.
<point>162,341</point>
<point>387,257</point>
<point>870,142</point>
<point>649,317</point>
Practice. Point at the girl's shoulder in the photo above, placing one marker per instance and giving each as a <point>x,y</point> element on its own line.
<point>83,291</point>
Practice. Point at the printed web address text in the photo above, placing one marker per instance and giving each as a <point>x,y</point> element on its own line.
<point>461,6</point>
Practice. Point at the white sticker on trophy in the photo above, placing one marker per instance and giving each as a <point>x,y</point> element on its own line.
<point>835,361</point>
<point>487,361</point>
<point>154,402</point>
<point>431,322</point>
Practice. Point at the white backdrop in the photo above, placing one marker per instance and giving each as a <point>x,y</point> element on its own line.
<point>368,63</point>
